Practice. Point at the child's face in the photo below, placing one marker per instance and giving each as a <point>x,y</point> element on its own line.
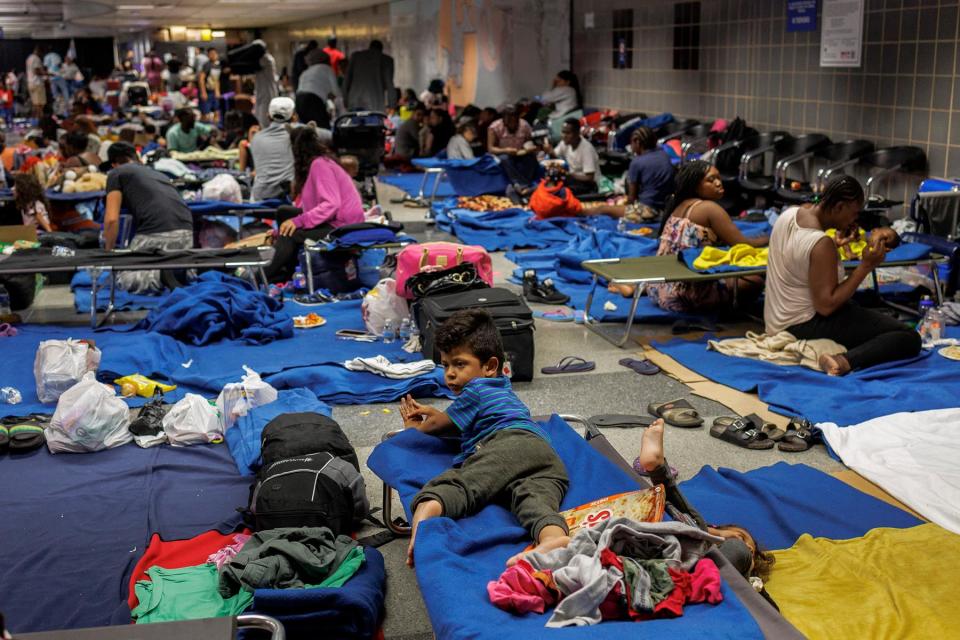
<point>461,366</point>
<point>886,235</point>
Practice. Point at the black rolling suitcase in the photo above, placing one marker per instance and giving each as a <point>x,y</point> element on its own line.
<point>512,315</point>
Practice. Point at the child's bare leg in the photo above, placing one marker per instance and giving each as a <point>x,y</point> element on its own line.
<point>425,510</point>
<point>551,537</point>
<point>651,447</point>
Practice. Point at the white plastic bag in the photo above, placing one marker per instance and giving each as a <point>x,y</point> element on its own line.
<point>222,187</point>
<point>237,398</point>
<point>89,417</point>
<point>193,420</point>
<point>60,364</point>
<point>381,304</point>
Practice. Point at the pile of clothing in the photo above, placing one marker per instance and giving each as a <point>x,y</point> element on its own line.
<point>619,570</point>
<point>286,558</point>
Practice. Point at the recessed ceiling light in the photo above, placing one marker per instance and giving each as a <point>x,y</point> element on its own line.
<point>135,7</point>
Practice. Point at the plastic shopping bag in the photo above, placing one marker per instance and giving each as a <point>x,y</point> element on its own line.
<point>237,398</point>
<point>60,364</point>
<point>89,417</point>
<point>193,420</point>
<point>222,187</point>
<point>381,304</point>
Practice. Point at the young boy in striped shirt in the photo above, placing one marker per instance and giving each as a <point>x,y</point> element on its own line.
<point>503,453</point>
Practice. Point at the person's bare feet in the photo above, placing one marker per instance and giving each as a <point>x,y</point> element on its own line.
<point>551,537</point>
<point>836,365</point>
<point>626,290</point>
<point>651,446</point>
<point>424,511</point>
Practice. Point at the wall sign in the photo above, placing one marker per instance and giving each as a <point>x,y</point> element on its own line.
<point>801,15</point>
<point>623,39</point>
<point>841,36</point>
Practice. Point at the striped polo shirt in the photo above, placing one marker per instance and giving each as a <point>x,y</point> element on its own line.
<point>485,406</point>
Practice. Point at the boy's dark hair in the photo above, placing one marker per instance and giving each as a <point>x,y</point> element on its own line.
<point>474,330</point>
<point>120,152</point>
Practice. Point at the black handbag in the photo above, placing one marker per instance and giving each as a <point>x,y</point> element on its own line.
<point>457,279</point>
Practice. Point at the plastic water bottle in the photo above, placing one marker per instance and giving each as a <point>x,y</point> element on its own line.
<point>299,280</point>
<point>388,332</point>
<point>934,324</point>
<point>621,225</point>
<point>4,301</point>
<point>9,395</point>
<point>405,330</point>
<point>926,306</point>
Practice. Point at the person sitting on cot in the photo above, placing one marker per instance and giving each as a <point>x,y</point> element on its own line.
<point>695,221</point>
<point>504,454</point>
<point>743,551</point>
<point>808,293</point>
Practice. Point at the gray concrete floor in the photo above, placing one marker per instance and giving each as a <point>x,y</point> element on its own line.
<point>610,388</point>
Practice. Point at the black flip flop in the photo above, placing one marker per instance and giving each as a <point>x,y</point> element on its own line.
<point>678,413</point>
<point>643,367</point>
<point>621,421</point>
<point>687,326</point>
<point>800,436</point>
<point>570,364</point>
<point>742,433</point>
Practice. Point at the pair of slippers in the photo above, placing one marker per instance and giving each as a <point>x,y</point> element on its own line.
<point>752,432</point>
<point>7,330</point>
<point>21,434</point>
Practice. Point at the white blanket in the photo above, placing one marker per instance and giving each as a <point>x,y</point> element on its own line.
<point>913,456</point>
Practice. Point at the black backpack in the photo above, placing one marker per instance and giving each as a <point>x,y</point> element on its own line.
<point>297,492</point>
<point>290,435</point>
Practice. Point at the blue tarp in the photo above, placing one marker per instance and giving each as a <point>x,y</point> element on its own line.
<point>928,381</point>
<point>457,558</point>
<point>905,252</point>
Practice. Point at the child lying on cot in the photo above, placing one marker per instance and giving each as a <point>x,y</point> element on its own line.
<point>851,244</point>
<point>503,453</point>
<point>739,547</point>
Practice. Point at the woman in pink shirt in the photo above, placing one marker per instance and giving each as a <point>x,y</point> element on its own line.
<point>324,197</point>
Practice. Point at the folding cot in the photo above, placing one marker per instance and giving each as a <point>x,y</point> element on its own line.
<point>97,261</point>
<point>207,628</point>
<point>475,177</point>
<point>671,268</point>
<point>455,559</point>
<point>321,247</point>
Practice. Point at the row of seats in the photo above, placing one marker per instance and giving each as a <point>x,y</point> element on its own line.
<point>776,166</point>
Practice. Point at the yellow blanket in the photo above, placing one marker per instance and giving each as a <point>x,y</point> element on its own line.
<point>855,247</point>
<point>739,255</point>
<point>890,583</point>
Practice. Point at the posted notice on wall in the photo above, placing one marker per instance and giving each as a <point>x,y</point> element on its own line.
<point>841,33</point>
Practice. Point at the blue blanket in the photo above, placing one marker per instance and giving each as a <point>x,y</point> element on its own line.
<point>123,300</point>
<point>219,307</point>
<point>926,382</point>
<point>905,252</point>
<point>456,559</point>
<point>410,184</point>
<point>211,207</point>
<point>473,177</point>
<point>74,525</point>
<point>778,503</point>
<point>311,358</point>
<point>243,437</point>
<point>351,612</point>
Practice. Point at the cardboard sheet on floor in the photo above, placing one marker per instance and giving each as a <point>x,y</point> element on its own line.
<point>917,384</point>
<point>890,583</point>
<point>74,525</point>
<point>456,559</point>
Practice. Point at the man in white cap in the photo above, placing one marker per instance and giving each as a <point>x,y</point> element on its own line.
<point>272,153</point>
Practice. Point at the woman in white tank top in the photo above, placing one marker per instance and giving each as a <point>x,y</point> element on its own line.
<point>807,295</point>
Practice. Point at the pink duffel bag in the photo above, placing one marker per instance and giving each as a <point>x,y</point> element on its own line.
<point>436,256</point>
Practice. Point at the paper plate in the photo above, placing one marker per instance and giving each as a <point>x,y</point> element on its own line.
<point>300,322</point>
<point>952,352</point>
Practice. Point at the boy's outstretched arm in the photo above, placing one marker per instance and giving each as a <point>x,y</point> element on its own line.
<point>423,417</point>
